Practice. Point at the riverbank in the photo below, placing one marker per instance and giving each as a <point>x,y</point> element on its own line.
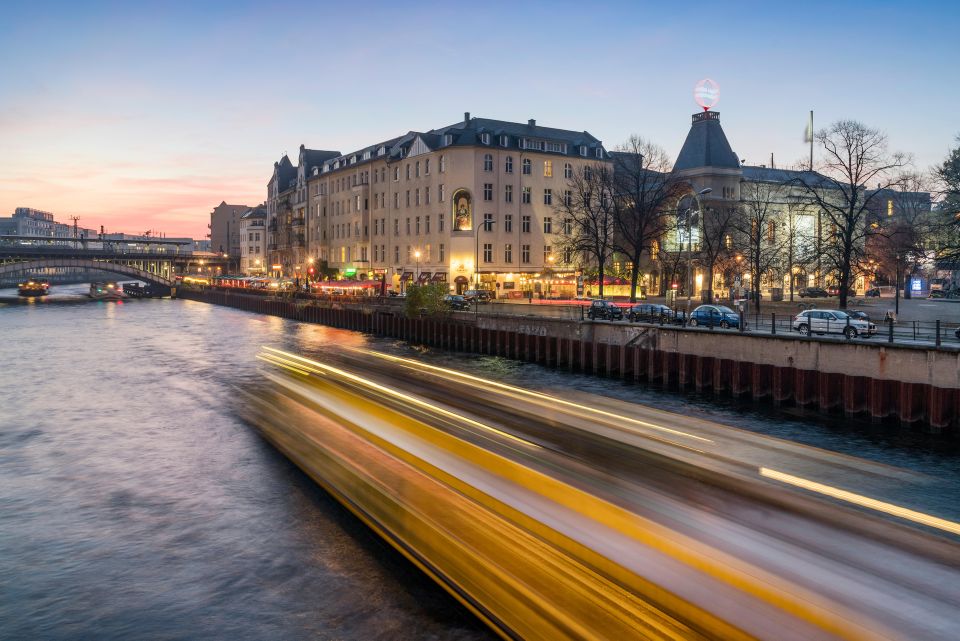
<point>915,387</point>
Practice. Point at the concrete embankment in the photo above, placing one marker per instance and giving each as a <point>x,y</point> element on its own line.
<point>914,385</point>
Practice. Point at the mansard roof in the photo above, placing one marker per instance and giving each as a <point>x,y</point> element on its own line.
<point>706,145</point>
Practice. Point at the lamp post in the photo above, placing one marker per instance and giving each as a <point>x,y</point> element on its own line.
<point>416,255</point>
<point>696,196</point>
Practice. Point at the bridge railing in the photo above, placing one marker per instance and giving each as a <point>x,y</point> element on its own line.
<point>89,248</point>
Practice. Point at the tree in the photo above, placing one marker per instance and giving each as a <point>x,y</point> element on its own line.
<point>903,228</point>
<point>646,191</point>
<point>717,226</point>
<point>947,176</point>
<point>854,157</point>
<point>426,300</point>
<point>760,231</point>
<point>587,211</point>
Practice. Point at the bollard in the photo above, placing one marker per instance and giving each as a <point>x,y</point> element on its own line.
<point>846,332</point>
<point>938,333</point>
<point>581,312</point>
<point>889,330</point>
<point>741,323</point>
<point>773,324</point>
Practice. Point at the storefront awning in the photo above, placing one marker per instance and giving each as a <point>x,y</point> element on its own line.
<point>440,277</point>
<point>407,276</point>
<point>424,276</point>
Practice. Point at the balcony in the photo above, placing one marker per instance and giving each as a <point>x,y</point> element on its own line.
<point>298,220</point>
<point>272,247</point>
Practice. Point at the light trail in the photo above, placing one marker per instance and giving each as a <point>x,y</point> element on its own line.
<point>284,358</point>
<point>526,392</point>
<point>863,501</point>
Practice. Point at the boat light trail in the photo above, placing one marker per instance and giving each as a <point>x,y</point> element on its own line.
<point>864,501</point>
<point>292,361</point>
<point>520,390</point>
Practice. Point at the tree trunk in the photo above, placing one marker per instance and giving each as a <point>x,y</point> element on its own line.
<point>634,277</point>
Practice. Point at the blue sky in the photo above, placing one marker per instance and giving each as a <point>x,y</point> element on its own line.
<point>146,115</point>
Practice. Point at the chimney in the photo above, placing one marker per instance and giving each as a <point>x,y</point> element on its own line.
<point>532,122</point>
<point>466,117</point>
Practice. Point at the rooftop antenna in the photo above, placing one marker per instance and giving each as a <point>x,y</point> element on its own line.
<point>74,219</point>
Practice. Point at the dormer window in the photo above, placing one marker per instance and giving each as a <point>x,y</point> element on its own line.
<point>583,150</point>
<point>382,150</point>
<point>366,155</point>
<point>504,141</point>
<point>447,139</point>
<point>485,139</point>
<point>353,159</point>
<point>599,152</point>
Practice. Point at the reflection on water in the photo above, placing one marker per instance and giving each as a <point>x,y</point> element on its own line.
<point>137,503</point>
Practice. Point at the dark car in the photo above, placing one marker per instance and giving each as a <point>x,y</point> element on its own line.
<point>834,290</point>
<point>873,292</point>
<point>478,295</point>
<point>604,310</point>
<point>650,312</point>
<point>714,316</point>
<point>456,302</point>
<point>813,292</point>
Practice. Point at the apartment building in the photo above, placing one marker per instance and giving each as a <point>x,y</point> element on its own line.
<point>253,241</point>
<point>470,204</point>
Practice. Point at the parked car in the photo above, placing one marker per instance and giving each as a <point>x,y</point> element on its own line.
<point>832,321</point>
<point>714,316</point>
<point>834,290</point>
<point>478,295</point>
<point>456,302</point>
<point>604,310</point>
<point>650,312</point>
<point>858,314</point>
<point>813,292</point>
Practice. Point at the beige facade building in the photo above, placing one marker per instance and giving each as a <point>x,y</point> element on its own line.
<point>253,242</point>
<point>470,204</point>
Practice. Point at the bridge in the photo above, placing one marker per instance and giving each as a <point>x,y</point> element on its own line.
<point>157,262</point>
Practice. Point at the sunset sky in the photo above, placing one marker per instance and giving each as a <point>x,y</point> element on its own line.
<point>142,118</point>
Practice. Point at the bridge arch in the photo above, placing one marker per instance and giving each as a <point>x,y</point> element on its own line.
<point>129,271</point>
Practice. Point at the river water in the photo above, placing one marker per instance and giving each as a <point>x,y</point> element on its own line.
<point>135,502</point>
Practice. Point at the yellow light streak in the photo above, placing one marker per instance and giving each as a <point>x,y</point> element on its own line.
<point>538,395</point>
<point>285,362</point>
<point>864,501</point>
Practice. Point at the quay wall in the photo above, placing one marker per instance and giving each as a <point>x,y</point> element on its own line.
<point>913,385</point>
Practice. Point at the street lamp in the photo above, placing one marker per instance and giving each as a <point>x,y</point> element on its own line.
<point>417,256</point>
<point>696,195</point>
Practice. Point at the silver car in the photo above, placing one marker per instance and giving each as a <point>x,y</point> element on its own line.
<point>831,321</point>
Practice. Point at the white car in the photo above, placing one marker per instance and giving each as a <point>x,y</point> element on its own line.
<point>831,321</point>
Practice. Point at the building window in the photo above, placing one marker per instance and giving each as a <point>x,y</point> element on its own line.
<point>525,224</point>
<point>508,193</point>
<point>440,222</point>
<point>396,226</point>
<point>587,173</point>
<point>547,254</point>
<point>488,252</point>
<point>654,250</point>
<point>599,152</point>
<point>426,196</point>
<point>525,254</point>
<point>408,226</point>
<point>583,150</point>
<point>418,225</point>
<point>442,252</point>
<point>727,241</point>
<point>396,254</point>
<point>488,162</point>
<point>396,200</point>
<point>567,255</point>
<point>485,139</point>
<point>408,198</point>
<point>409,254</point>
<point>488,222</point>
<point>443,163</point>
<point>396,174</point>
<point>408,171</point>
<point>426,225</point>
<point>488,191</point>
<point>440,192</point>
<point>417,169</point>
<point>525,196</point>
<point>567,170</point>
<point>508,165</point>
<point>508,253</point>
<point>568,198</point>
<point>548,169</point>
<point>548,225</point>
<point>417,194</point>
<point>508,223</point>
<point>527,165</point>
<point>504,141</point>
<point>547,196</point>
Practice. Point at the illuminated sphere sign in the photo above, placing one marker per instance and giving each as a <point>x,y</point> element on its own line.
<point>706,93</point>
